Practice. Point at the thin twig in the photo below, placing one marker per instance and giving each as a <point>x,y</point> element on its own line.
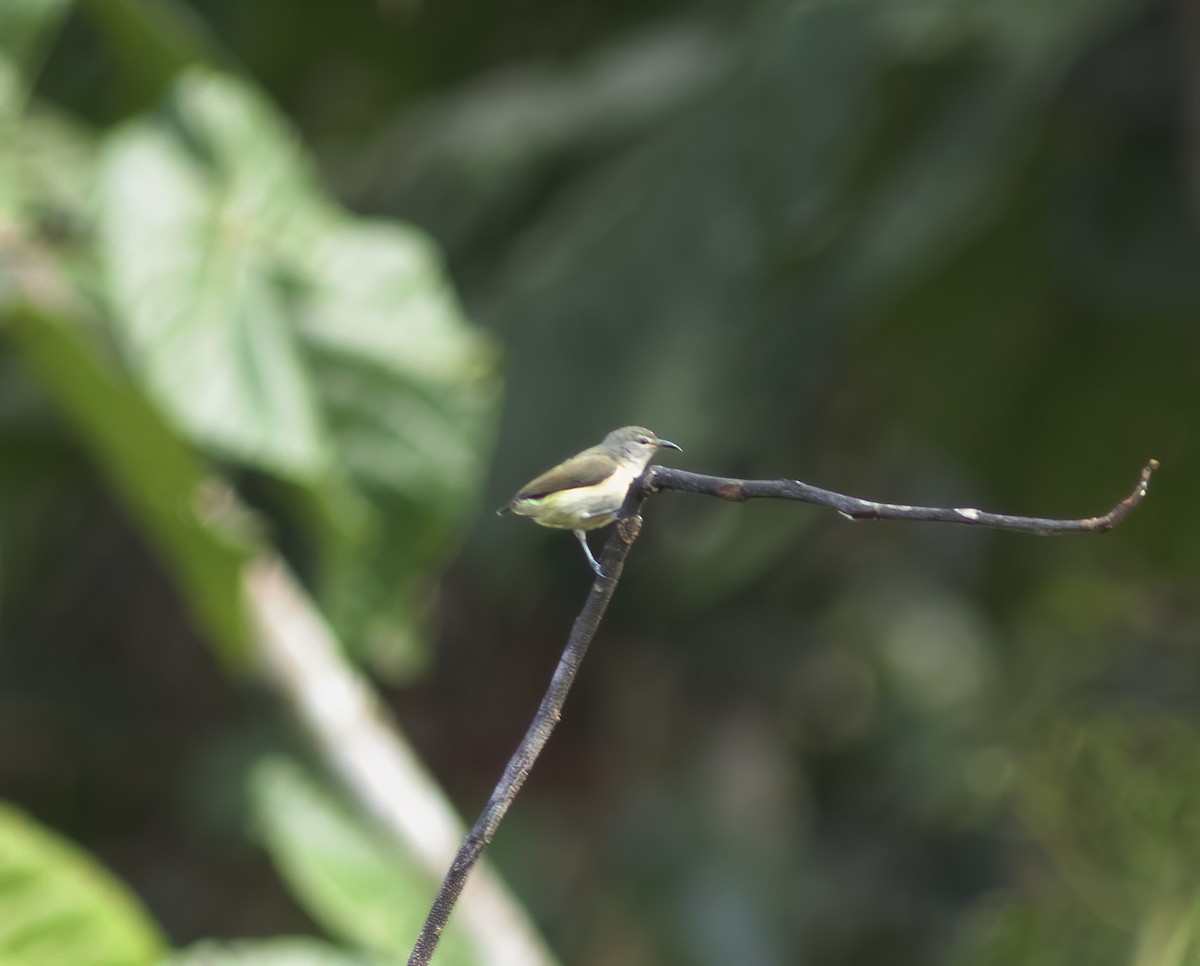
<point>612,562</point>
<point>665,478</point>
<point>655,480</point>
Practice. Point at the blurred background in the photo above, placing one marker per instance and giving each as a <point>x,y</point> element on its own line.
<point>333,280</point>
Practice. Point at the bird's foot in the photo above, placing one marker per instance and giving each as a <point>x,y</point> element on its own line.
<point>581,536</point>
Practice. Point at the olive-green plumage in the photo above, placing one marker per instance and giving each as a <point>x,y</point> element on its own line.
<point>587,490</point>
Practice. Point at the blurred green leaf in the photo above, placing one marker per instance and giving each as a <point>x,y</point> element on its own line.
<point>1169,935</point>
<point>284,951</point>
<point>58,907</point>
<point>284,335</point>
<point>409,394</point>
<point>193,206</point>
<point>349,877</point>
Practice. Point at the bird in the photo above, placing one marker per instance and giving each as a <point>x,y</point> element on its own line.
<point>587,490</point>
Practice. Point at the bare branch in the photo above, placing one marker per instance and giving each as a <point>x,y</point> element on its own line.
<point>655,480</point>
<point>612,562</point>
<point>665,478</point>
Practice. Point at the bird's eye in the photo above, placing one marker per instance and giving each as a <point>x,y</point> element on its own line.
<point>643,440</point>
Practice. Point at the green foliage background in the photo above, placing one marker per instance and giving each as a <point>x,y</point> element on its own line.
<point>917,250</point>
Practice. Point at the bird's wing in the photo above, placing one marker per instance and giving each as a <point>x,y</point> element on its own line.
<point>584,469</point>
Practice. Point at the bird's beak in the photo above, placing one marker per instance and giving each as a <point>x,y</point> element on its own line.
<point>669,445</point>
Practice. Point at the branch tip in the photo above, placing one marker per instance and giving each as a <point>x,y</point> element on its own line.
<point>1143,482</point>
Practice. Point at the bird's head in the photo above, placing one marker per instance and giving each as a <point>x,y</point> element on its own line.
<point>635,443</point>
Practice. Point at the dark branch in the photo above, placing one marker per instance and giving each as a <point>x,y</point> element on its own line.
<point>655,480</point>
<point>664,478</point>
<point>612,562</point>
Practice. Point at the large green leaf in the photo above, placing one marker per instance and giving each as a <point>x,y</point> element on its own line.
<point>349,877</point>
<point>193,204</point>
<point>280,333</point>
<point>409,393</point>
<point>58,907</point>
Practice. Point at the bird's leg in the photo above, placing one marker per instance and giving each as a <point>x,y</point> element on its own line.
<point>587,552</point>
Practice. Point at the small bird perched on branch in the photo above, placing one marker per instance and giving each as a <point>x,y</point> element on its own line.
<point>586,491</point>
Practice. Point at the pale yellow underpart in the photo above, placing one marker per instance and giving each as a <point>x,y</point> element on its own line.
<point>584,507</point>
